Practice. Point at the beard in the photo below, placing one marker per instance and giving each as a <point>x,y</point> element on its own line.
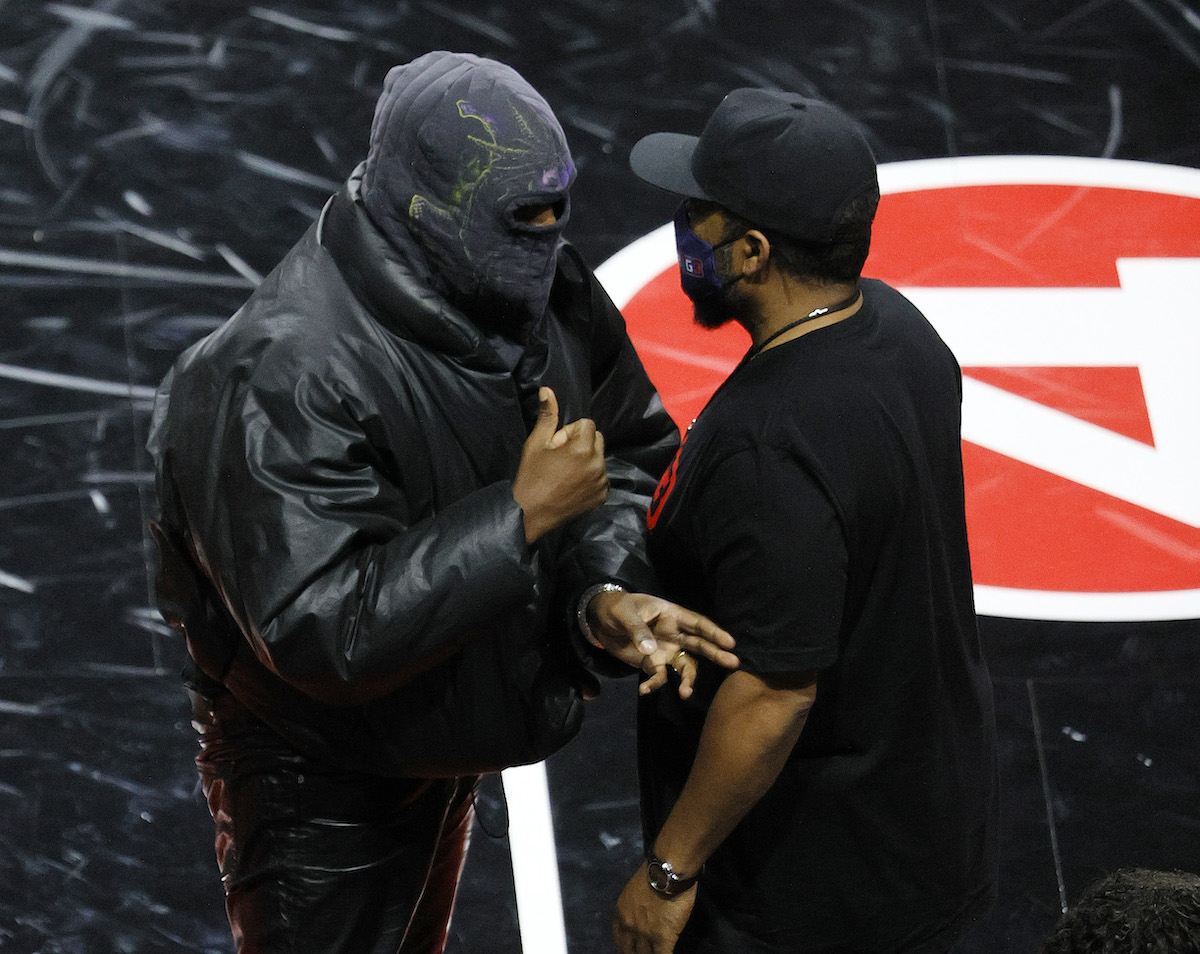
<point>726,305</point>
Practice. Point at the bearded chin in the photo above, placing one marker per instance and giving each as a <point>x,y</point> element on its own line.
<point>710,311</point>
<point>723,306</point>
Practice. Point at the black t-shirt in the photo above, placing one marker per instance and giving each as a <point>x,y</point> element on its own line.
<point>816,511</point>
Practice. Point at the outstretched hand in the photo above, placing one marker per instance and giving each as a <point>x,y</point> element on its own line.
<point>655,635</point>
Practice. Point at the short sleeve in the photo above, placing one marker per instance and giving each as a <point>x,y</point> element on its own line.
<point>774,551</point>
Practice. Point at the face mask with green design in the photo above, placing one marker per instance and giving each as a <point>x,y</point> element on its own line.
<point>468,163</point>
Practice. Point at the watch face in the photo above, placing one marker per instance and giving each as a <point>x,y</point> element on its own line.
<point>659,879</point>
<point>665,881</point>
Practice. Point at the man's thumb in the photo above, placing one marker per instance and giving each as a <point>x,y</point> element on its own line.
<point>638,632</point>
<point>547,419</point>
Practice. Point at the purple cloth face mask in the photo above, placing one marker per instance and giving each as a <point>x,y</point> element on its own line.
<point>698,272</point>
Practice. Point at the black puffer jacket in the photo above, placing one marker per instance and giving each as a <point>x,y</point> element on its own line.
<point>338,535</point>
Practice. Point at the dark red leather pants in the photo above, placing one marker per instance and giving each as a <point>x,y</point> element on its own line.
<point>318,859</point>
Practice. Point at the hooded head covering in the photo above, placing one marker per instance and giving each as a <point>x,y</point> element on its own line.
<point>459,145</point>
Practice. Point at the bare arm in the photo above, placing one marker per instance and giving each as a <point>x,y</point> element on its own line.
<point>751,729</point>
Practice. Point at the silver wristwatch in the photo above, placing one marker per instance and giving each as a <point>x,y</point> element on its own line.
<point>663,878</point>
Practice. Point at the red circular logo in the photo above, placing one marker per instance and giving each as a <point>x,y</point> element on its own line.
<point>1069,290</point>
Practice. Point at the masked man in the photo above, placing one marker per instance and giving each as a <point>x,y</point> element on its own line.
<point>379,543</point>
<point>837,793</point>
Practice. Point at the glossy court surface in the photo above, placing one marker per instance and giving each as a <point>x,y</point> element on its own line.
<point>1042,183</point>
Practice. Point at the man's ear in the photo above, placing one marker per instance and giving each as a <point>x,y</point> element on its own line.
<point>757,248</point>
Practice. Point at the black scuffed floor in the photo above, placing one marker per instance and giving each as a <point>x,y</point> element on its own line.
<point>157,157</point>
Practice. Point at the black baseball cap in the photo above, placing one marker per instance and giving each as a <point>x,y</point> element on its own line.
<point>781,161</point>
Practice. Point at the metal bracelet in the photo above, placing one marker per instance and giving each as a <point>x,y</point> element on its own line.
<point>581,609</point>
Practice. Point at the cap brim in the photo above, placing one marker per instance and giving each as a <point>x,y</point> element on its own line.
<point>665,160</point>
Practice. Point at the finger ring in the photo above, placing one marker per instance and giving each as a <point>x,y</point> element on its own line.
<point>676,657</point>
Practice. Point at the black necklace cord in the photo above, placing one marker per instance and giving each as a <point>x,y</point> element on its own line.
<point>812,315</point>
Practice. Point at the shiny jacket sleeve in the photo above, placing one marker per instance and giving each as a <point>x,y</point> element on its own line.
<point>639,440</point>
<point>335,585</point>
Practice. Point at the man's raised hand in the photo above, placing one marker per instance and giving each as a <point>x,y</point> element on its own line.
<point>562,473</point>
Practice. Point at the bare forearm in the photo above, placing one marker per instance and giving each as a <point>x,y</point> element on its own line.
<point>748,735</point>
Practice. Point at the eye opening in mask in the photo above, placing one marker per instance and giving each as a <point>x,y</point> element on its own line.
<point>535,213</point>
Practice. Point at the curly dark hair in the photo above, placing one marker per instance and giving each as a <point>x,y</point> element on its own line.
<point>1132,911</point>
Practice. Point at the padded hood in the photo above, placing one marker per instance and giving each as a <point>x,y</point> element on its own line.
<point>459,145</point>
